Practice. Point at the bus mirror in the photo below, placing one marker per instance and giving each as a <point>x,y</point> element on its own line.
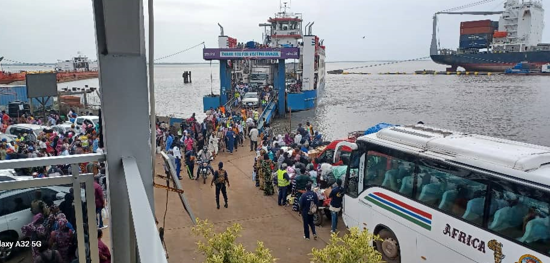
<point>338,147</point>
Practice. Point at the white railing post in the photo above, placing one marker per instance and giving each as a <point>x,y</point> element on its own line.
<point>79,214</point>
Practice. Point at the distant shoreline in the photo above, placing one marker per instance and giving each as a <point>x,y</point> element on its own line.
<point>205,63</point>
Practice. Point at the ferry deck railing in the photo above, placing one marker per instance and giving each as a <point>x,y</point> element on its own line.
<point>147,240</point>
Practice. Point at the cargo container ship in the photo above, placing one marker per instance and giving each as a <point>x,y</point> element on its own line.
<point>495,46</point>
<point>79,67</point>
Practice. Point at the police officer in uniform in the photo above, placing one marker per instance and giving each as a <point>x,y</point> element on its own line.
<point>220,179</point>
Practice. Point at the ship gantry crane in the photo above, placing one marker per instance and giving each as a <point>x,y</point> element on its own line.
<point>434,47</point>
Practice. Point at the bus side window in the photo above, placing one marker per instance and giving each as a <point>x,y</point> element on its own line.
<point>521,213</point>
<point>391,173</point>
<point>453,194</point>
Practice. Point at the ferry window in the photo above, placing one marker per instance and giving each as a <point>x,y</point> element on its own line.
<point>521,213</point>
<point>389,172</point>
<point>460,193</point>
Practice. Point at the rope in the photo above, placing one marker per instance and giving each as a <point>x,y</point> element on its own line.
<point>467,5</point>
<point>179,52</point>
<point>387,63</point>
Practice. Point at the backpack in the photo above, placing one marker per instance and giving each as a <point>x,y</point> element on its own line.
<point>312,208</point>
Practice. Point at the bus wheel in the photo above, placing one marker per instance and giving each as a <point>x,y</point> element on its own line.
<point>388,247</point>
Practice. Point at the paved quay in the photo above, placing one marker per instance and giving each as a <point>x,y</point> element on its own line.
<point>262,219</point>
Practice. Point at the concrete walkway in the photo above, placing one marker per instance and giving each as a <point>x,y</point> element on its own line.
<point>261,218</point>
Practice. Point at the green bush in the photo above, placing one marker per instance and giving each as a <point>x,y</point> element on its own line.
<point>354,247</point>
<point>221,247</point>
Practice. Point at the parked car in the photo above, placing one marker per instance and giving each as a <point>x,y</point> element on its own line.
<point>9,138</point>
<point>86,118</point>
<point>32,130</point>
<point>250,99</point>
<point>62,128</point>
<point>15,211</point>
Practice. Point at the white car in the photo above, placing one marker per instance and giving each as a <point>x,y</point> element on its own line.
<point>250,99</point>
<point>63,128</point>
<point>86,118</point>
<point>32,130</point>
<point>9,138</point>
<point>15,210</point>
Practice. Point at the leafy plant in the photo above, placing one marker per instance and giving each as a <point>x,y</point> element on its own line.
<point>221,247</point>
<point>354,247</point>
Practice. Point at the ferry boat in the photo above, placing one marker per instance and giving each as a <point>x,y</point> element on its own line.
<point>497,45</point>
<point>286,39</point>
<point>79,67</point>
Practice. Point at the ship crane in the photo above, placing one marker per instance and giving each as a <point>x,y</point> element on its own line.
<point>434,47</point>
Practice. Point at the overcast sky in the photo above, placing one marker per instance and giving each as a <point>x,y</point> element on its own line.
<point>44,31</point>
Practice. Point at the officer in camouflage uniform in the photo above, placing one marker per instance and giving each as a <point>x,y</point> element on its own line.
<point>220,179</point>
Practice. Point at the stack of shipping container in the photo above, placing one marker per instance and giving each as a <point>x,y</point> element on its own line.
<point>477,34</point>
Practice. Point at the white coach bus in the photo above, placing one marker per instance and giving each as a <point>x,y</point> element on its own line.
<point>447,197</point>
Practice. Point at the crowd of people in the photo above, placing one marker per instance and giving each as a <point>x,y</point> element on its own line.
<point>54,226</point>
<point>281,161</point>
<point>53,229</point>
<point>49,142</point>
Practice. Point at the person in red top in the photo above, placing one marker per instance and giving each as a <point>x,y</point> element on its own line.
<point>99,202</point>
<point>5,117</point>
<point>104,253</point>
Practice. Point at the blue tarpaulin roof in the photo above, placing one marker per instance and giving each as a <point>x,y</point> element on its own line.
<point>376,128</point>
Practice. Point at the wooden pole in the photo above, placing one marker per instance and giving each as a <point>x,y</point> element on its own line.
<point>290,119</point>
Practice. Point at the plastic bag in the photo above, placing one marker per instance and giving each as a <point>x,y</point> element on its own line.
<point>105,213</point>
<point>254,176</point>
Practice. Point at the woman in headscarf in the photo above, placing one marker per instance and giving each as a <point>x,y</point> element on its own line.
<point>51,220</point>
<point>36,232</point>
<point>213,145</point>
<point>221,138</point>
<point>61,239</point>
<point>267,170</point>
<point>279,141</point>
<point>288,139</point>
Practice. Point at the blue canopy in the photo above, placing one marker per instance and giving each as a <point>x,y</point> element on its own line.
<point>376,128</point>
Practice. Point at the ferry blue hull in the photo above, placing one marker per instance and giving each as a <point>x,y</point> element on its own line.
<point>304,100</point>
<point>492,62</point>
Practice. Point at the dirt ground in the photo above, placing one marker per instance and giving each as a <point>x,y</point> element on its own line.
<point>262,219</point>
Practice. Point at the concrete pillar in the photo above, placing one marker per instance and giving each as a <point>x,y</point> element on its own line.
<point>126,126</point>
<point>281,81</point>
<point>225,82</point>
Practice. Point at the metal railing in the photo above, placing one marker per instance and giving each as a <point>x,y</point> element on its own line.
<point>267,112</point>
<point>148,242</point>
